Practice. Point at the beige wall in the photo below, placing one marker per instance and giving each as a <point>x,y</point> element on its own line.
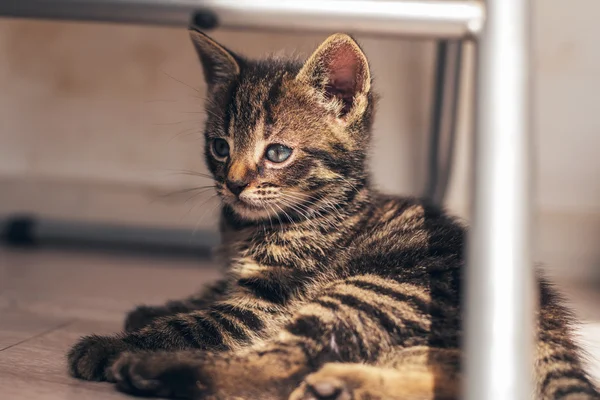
<point>93,119</point>
<point>567,78</point>
<point>109,107</point>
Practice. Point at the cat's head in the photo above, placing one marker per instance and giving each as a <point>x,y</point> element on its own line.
<point>283,137</point>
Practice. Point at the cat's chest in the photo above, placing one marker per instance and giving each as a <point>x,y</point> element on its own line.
<point>300,250</point>
<point>289,265</point>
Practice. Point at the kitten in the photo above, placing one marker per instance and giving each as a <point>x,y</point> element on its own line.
<point>333,290</point>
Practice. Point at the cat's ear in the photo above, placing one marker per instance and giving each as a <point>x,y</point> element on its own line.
<point>220,65</point>
<point>339,70</point>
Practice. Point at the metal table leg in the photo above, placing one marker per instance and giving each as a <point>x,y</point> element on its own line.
<point>443,118</point>
<point>500,294</point>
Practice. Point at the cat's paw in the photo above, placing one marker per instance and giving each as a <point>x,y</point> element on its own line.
<point>143,316</point>
<point>322,388</point>
<point>333,381</point>
<point>161,374</point>
<point>89,358</point>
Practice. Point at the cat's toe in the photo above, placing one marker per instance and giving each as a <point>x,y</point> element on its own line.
<point>132,375</point>
<point>159,374</point>
<point>89,358</point>
<point>141,317</point>
<point>319,387</point>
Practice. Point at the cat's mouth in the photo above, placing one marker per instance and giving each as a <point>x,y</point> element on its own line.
<point>258,198</point>
<point>259,204</point>
<point>249,205</point>
<point>254,210</point>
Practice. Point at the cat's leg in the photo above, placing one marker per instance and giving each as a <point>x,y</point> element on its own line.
<point>144,315</point>
<point>253,307</point>
<point>268,373</point>
<point>351,321</point>
<point>225,325</point>
<point>419,373</point>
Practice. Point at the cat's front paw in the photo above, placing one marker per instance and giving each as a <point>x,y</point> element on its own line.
<point>143,316</point>
<point>90,357</point>
<point>322,388</point>
<point>335,381</point>
<point>160,374</point>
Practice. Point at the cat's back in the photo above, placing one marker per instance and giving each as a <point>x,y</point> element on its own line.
<point>409,239</point>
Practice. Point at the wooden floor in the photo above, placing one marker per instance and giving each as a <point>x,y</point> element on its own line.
<point>48,299</point>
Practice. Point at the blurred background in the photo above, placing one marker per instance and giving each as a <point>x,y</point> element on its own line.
<point>99,123</point>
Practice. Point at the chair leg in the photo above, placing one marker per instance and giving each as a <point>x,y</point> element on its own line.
<point>501,296</point>
<point>444,111</point>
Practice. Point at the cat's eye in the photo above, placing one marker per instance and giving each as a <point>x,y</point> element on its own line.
<point>278,153</point>
<point>220,148</point>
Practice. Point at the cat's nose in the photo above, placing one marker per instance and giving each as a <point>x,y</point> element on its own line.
<point>236,187</point>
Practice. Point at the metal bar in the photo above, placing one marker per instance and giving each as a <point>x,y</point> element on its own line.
<point>440,18</point>
<point>444,111</point>
<point>20,230</point>
<point>500,278</point>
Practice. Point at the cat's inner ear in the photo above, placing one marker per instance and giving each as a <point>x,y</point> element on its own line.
<point>220,65</point>
<point>340,70</point>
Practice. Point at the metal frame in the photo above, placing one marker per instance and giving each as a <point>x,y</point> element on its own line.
<point>30,230</point>
<point>499,301</point>
<point>444,113</point>
<point>432,18</point>
<point>500,281</point>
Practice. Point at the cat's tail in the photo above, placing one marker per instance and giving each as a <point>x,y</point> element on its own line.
<point>559,368</point>
<point>560,374</point>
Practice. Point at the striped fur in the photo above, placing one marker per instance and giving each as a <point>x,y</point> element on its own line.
<point>333,290</point>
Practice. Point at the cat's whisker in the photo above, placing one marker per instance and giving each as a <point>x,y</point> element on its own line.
<point>203,191</point>
<point>176,122</point>
<point>198,91</point>
<point>279,218</point>
<point>318,211</point>
<point>200,189</point>
<point>312,219</point>
<point>188,190</point>
<point>193,206</point>
<point>293,223</point>
<point>309,211</point>
<point>205,212</point>
<point>269,215</point>
<point>306,214</point>
<point>300,200</point>
<point>213,114</point>
<point>191,173</point>
<point>186,132</point>
<point>284,213</point>
<point>298,210</point>
<point>349,183</point>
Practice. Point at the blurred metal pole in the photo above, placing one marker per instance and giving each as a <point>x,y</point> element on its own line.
<point>500,278</point>
<point>432,18</point>
<point>25,230</point>
<point>447,86</point>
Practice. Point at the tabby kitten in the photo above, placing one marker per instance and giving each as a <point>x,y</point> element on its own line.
<point>333,290</point>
